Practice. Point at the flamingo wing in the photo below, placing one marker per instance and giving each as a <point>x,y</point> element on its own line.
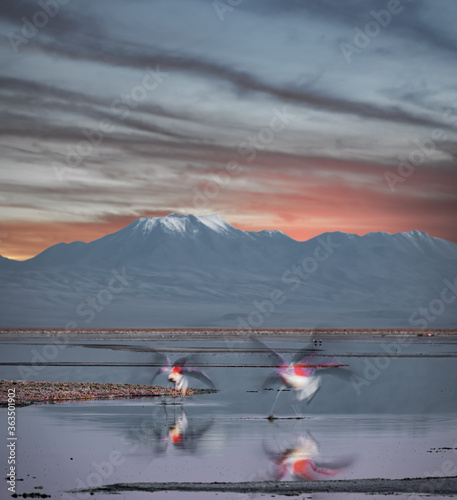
<point>162,369</point>
<point>280,360</point>
<point>117,347</point>
<point>333,467</point>
<point>192,371</point>
<point>331,367</point>
<point>277,457</point>
<point>303,354</point>
<point>337,371</point>
<point>273,379</point>
<point>199,375</point>
<point>156,374</point>
<point>307,469</point>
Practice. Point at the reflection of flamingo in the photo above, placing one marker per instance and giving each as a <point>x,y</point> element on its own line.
<point>178,374</point>
<point>300,376</point>
<point>301,461</point>
<point>180,434</point>
<point>177,430</point>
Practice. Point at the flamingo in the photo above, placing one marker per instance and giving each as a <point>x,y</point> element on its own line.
<point>301,461</point>
<point>179,372</point>
<point>300,376</point>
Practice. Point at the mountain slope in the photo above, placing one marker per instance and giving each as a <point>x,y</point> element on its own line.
<point>200,271</point>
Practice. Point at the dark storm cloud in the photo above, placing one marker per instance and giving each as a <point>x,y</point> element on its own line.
<point>410,25</point>
<point>354,12</point>
<point>106,50</point>
<point>74,38</point>
<point>241,81</point>
<point>25,92</point>
<point>37,97</point>
<point>64,25</point>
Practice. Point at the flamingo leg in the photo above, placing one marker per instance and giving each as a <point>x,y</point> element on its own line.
<point>165,410</point>
<point>276,399</point>
<point>297,414</point>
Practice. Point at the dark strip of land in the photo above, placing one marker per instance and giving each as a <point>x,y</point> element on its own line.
<point>212,333</point>
<point>429,485</point>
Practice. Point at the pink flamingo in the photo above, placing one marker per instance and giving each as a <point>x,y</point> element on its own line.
<point>179,372</point>
<point>300,376</point>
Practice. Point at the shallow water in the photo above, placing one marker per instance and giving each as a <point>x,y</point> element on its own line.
<point>397,418</point>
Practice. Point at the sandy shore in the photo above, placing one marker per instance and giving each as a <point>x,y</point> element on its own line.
<point>29,392</point>
<point>431,485</point>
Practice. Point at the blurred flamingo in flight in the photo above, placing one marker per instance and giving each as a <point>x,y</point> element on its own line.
<point>179,373</point>
<point>300,376</point>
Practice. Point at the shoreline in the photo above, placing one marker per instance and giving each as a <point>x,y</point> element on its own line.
<point>428,485</point>
<point>31,392</point>
<point>213,333</point>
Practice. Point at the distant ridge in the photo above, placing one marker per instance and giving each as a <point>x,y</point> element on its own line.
<point>187,270</point>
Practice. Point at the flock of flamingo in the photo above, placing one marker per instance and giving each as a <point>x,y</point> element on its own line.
<point>301,375</point>
<point>299,459</point>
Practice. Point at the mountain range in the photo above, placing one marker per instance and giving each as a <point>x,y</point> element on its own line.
<point>199,271</point>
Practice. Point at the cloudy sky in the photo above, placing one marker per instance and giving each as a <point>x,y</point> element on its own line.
<point>300,115</point>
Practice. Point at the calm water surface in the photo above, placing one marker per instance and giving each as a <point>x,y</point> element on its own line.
<point>396,417</point>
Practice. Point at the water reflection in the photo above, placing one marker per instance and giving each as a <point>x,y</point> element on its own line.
<point>224,436</point>
<point>169,427</point>
<point>180,431</point>
<point>301,460</point>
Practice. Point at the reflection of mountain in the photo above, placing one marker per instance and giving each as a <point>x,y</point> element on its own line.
<point>201,271</point>
<point>302,460</point>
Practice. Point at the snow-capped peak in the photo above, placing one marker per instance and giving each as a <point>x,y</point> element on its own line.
<point>415,234</point>
<point>182,224</point>
<point>215,222</point>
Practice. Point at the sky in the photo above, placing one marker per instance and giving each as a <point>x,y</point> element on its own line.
<point>305,116</point>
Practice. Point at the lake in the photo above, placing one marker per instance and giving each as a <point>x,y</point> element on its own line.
<point>395,416</point>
